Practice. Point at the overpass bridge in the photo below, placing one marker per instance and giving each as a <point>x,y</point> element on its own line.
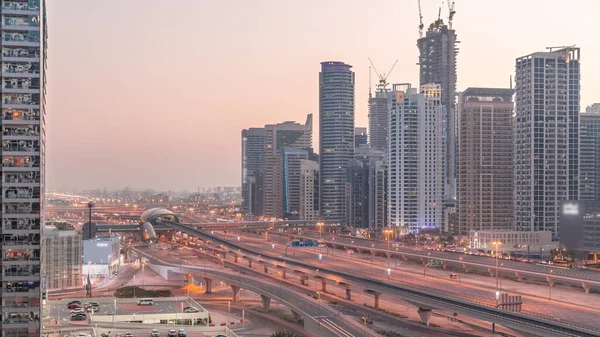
<point>425,299</point>
<point>319,319</point>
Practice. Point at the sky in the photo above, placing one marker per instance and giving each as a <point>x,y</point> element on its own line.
<point>155,93</point>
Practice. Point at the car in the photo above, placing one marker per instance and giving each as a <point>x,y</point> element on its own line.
<point>92,309</point>
<point>181,333</point>
<point>128,334</point>
<point>82,335</point>
<point>154,333</point>
<point>79,318</point>
<point>119,334</point>
<point>77,311</point>
<point>94,304</point>
<point>74,306</point>
<point>75,302</point>
<point>191,309</point>
<point>172,333</point>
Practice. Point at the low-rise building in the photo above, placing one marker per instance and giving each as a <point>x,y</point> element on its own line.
<point>63,258</point>
<point>101,256</point>
<point>580,225</point>
<point>529,242</point>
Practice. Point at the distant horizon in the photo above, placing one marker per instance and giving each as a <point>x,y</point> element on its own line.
<point>161,106</point>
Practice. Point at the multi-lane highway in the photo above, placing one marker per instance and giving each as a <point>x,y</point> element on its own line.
<point>446,302</point>
<point>584,278</point>
<point>311,310</point>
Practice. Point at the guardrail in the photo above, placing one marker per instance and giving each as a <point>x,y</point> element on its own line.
<point>524,319</point>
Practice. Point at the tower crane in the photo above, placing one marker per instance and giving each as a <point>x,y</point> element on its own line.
<point>420,21</point>
<point>382,77</point>
<point>451,12</point>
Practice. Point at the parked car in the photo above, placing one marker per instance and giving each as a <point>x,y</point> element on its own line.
<point>128,334</point>
<point>119,334</point>
<point>77,311</point>
<point>74,306</point>
<point>182,333</point>
<point>191,309</point>
<point>79,317</point>
<point>94,304</point>
<point>92,308</point>
<point>82,335</point>
<point>172,333</point>
<point>75,302</point>
<point>154,333</point>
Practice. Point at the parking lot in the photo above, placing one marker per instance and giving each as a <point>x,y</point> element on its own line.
<point>118,307</point>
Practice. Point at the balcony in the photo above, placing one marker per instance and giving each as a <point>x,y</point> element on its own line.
<point>16,224</point>
<point>19,7</point>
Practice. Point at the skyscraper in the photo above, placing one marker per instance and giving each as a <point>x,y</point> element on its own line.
<point>292,158</point>
<point>24,44</point>
<point>309,190</point>
<point>278,136</point>
<point>378,119</point>
<point>336,135</point>
<point>546,137</point>
<point>415,158</point>
<point>437,61</point>
<point>366,189</point>
<point>253,166</point>
<point>589,155</point>
<point>485,160</point>
<point>357,194</point>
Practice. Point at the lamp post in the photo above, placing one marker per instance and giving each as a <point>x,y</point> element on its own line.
<point>497,243</point>
<point>320,225</point>
<point>388,237</point>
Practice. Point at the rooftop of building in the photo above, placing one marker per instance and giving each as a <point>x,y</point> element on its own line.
<point>335,66</point>
<point>52,231</point>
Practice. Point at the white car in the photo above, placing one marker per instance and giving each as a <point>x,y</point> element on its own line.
<point>192,309</point>
<point>78,311</point>
<point>82,335</point>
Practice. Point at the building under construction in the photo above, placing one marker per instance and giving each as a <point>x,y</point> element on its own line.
<point>437,61</point>
<point>378,110</point>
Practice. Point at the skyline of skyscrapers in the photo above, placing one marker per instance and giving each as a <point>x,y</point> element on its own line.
<point>485,159</point>
<point>546,137</point>
<point>24,46</point>
<point>336,135</point>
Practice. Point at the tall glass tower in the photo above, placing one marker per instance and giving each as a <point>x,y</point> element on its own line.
<point>24,36</point>
<point>546,143</point>
<point>336,135</point>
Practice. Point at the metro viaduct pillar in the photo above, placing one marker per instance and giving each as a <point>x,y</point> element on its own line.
<point>208,285</point>
<point>376,296</point>
<point>236,293</point>
<point>323,282</point>
<point>425,314</point>
<point>266,302</point>
<point>348,291</point>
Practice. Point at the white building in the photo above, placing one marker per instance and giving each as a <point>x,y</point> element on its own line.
<point>101,256</point>
<point>309,190</point>
<point>416,158</point>
<point>63,258</point>
<point>594,108</point>
<point>534,242</point>
<point>546,153</point>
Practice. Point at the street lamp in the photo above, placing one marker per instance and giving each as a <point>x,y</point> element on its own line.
<point>497,243</point>
<point>320,225</point>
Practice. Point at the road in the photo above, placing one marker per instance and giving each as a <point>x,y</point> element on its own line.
<point>327,317</point>
<point>481,288</point>
<point>457,257</point>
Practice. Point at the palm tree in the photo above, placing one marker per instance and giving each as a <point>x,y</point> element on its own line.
<point>284,334</point>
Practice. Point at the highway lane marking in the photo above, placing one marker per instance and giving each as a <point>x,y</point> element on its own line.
<point>336,327</point>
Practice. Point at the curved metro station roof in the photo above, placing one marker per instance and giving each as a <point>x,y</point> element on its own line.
<point>153,213</point>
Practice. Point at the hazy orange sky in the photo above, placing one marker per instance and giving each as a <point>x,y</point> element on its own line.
<point>155,93</point>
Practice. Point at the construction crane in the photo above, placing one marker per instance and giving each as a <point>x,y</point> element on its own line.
<point>559,47</point>
<point>451,12</point>
<point>382,77</point>
<point>420,21</point>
